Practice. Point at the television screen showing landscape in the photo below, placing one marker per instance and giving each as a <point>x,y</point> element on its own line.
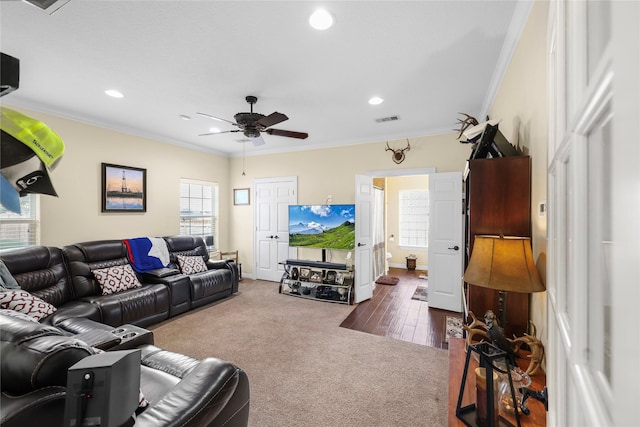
<point>322,226</point>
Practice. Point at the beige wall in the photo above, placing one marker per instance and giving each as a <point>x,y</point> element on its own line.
<point>331,171</point>
<point>76,216</point>
<point>521,103</point>
<point>399,253</point>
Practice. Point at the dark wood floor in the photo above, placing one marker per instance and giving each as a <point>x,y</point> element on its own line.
<point>392,313</point>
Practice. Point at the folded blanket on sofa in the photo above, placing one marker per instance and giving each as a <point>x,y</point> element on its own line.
<point>147,253</point>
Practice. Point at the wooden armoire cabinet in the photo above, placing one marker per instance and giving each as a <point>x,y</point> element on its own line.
<point>498,200</point>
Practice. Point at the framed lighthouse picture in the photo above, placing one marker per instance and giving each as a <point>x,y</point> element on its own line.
<point>124,188</point>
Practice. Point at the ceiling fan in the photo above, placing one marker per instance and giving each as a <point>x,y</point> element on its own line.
<point>252,124</point>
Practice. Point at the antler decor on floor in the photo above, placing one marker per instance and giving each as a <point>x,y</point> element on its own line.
<point>479,328</point>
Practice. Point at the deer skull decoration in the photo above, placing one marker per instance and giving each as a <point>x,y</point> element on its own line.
<point>398,155</point>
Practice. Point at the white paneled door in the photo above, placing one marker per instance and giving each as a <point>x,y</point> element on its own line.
<point>364,239</point>
<point>272,199</point>
<point>445,241</point>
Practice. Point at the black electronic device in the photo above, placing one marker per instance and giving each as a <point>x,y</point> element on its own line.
<point>317,264</point>
<point>103,389</point>
<point>9,73</point>
<point>322,227</point>
<point>493,144</point>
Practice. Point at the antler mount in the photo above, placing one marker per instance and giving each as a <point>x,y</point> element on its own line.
<point>398,154</point>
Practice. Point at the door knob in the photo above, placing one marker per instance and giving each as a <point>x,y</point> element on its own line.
<point>361,244</point>
<point>277,237</point>
<point>455,248</point>
<point>271,237</point>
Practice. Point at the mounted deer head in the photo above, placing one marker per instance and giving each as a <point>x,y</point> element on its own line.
<point>398,155</point>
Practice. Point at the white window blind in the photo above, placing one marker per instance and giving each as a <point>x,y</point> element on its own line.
<point>198,210</point>
<point>20,230</point>
<point>414,218</point>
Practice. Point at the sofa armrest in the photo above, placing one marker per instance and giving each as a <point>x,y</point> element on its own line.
<point>160,273</point>
<point>228,264</point>
<point>99,338</point>
<point>217,264</point>
<point>201,397</point>
<point>44,406</point>
<point>73,310</point>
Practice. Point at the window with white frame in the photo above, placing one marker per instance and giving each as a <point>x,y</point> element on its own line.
<point>20,230</point>
<point>199,210</point>
<point>414,218</point>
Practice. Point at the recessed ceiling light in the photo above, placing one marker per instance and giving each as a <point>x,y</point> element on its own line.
<point>214,130</point>
<point>184,117</point>
<point>321,19</point>
<point>376,100</point>
<point>114,93</point>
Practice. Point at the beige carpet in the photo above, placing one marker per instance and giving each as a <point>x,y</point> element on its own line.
<point>304,370</point>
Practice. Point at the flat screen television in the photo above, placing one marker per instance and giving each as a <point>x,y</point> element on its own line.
<point>322,226</point>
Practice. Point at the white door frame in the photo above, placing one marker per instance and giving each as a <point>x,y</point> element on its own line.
<point>592,365</point>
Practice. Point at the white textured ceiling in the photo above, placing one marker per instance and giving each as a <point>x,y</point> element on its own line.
<point>429,60</point>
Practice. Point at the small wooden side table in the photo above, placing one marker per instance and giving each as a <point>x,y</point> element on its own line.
<point>457,357</point>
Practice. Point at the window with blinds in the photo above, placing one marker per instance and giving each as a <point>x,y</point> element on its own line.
<point>414,218</point>
<point>198,210</point>
<point>20,230</point>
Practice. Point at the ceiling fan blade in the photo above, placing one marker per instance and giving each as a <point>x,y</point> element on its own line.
<point>258,141</point>
<point>216,133</point>
<point>272,119</point>
<point>288,133</point>
<point>209,116</point>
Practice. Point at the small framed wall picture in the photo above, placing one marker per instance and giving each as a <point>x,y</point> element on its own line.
<point>241,196</point>
<point>124,188</point>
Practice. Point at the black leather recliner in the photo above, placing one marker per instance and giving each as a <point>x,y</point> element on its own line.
<point>42,271</point>
<point>219,281</point>
<point>182,391</point>
<point>143,306</point>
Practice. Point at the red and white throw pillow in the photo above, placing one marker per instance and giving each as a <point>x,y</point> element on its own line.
<point>23,302</point>
<point>191,264</point>
<point>116,279</point>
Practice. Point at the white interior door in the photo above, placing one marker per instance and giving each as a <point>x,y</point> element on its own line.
<point>445,241</point>
<point>363,287</point>
<point>271,217</point>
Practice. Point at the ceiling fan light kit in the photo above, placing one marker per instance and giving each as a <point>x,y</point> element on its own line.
<point>252,124</point>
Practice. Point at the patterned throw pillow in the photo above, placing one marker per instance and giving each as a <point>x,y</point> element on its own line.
<point>116,279</point>
<point>24,302</point>
<point>191,264</point>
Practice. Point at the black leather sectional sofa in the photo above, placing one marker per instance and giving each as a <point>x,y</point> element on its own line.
<point>182,391</point>
<point>63,277</point>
